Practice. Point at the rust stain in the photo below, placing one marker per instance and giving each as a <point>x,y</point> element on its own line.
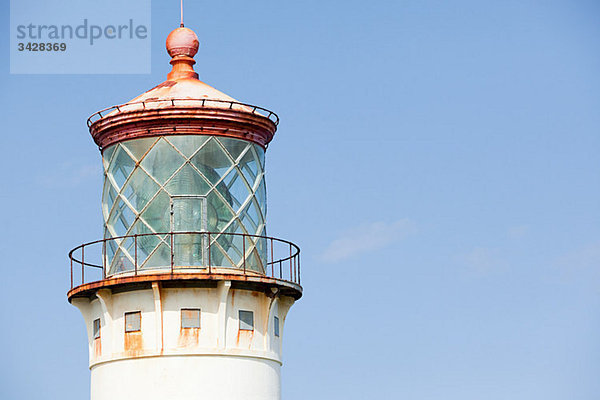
<point>188,337</point>
<point>97,347</point>
<point>133,343</point>
<point>194,121</point>
<point>244,338</point>
<point>87,289</point>
<point>164,84</point>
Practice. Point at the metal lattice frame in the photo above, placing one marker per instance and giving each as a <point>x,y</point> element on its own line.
<point>121,163</point>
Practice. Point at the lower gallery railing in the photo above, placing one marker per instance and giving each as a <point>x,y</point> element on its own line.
<point>185,252</point>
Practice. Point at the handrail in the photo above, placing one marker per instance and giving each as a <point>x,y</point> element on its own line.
<point>255,109</point>
<point>289,253</point>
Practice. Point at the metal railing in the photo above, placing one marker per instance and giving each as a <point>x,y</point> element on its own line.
<point>182,102</point>
<point>260,256</point>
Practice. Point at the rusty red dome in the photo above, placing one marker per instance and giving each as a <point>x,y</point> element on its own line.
<point>182,105</point>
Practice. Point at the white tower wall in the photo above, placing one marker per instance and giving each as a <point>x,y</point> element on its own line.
<point>166,361</point>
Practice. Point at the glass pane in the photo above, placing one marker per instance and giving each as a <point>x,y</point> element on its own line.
<point>111,249</point>
<point>261,196</point>
<point>189,249</point>
<point>212,161</point>
<point>96,328</point>
<point>246,320</point>
<point>146,244</point>
<point>187,181</point>
<point>188,216</point>
<point>249,166</point>
<point>255,254</point>
<point>139,147</point>
<point>162,161</point>
<point>219,213</point>
<point>160,258</point>
<point>250,226</point>
<point>260,153</point>
<point>261,250</point>
<point>139,189</point>
<point>218,256</point>
<point>236,188</point>
<point>232,246</point>
<point>109,194</point>
<point>254,213</point>
<point>234,147</point>
<point>190,318</point>
<point>107,155</point>
<point>188,144</point>
<point>121,219</point>
<point>120,167</point>
<point>158,213</point>
<point>133,321</point>
<point>122,262</point>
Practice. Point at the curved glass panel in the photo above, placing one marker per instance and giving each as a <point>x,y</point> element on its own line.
<point>181,184</point>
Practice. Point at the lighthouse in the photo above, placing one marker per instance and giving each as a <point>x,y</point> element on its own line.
<point>186,295</point>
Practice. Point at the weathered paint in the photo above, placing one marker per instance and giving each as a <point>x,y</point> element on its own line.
<point>163,360</point>
<point>182,105</point>
<point>188,337</point>
<point>133,344</point>
<point>286,287</point>
<point>97,348</point>
<point>162,346</point>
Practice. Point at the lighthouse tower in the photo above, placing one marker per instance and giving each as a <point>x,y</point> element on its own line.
<point>185,296</point>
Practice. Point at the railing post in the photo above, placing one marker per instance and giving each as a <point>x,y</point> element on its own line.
<point>82,264</point>
<point>298,267</point>
<point>209,260</point>
<point>272,261</point>
<point>295,269</point>
<point>172,251</point>
<point>244,251</point>
<point>280,270</point>
<point>71,257</point>
<point>291,274</point>
<point>104,259</point>
<point>135,253</point>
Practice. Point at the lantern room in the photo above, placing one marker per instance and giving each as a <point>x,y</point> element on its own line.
<point>184,174</point>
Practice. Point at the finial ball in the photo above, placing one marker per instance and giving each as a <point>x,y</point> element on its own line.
<point>182,42</point>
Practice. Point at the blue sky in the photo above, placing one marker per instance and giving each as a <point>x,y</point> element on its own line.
<point>437,162</point>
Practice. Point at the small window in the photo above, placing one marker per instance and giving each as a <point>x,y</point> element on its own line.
<point>246,320</point>
<point>276,326</point>
<point>133,321</point>
<point>190,318</point>
<point>96,328</point>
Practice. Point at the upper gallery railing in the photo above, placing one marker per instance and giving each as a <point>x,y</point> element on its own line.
<point>186,252</point>
<point>161,103</point>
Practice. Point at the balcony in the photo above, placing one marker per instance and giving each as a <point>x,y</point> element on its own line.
<point>184,256</point>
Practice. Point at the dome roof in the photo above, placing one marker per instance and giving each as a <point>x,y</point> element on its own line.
<point>182,105</point>
<point>182,82</point>
<point>183,88</point>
